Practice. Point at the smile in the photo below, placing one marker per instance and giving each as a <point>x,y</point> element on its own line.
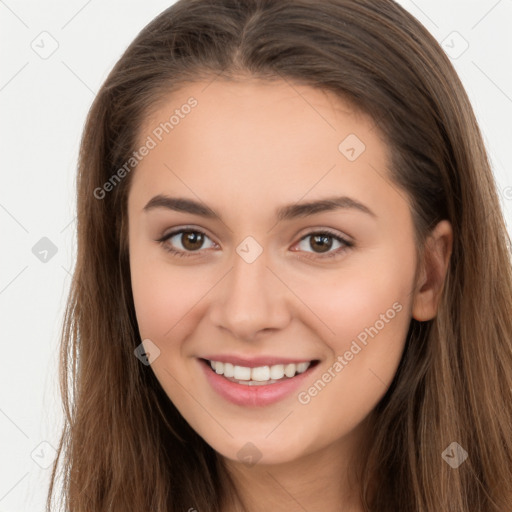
<point>261,375</point>
<point>253,385</point>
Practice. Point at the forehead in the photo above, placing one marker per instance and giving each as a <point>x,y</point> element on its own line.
<point>258,140</point>
<point>256,107</point>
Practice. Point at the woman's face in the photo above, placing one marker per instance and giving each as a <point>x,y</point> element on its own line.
<point>292,246</point>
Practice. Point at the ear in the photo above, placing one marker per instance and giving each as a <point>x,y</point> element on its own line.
<point>434,267</point>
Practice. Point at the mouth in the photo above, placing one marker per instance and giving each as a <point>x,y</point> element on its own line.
<point>260,385</point>
<point>260,375</point>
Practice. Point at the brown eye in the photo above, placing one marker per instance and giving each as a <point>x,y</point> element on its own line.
<point>321,243</point>
<point>182,242</point>
<point>192,240</point>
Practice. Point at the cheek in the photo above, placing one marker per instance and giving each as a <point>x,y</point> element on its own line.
<point>162,296</point>
<point>367,308</point>
<point>352,300</point>
<point>169,298</point>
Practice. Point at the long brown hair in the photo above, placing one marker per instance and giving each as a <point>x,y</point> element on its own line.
<point>124,445</point>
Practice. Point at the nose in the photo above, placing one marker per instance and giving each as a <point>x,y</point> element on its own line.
<point>250,300</point>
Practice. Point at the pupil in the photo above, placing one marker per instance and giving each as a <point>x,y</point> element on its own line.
<point>322,241</point>
<point>194,239</point>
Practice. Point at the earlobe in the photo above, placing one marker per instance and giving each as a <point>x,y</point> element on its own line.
<point>435,264</point>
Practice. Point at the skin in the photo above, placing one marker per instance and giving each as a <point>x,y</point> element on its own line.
<point>246,149</point>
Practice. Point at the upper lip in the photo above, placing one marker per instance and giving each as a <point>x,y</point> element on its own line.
<point>254,362</point>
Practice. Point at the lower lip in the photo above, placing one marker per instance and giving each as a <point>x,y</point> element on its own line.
<point>256,396</point>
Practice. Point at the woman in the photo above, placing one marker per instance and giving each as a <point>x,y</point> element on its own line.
<point>293,284</point>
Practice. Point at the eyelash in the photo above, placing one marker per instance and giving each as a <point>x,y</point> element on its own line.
<point>184,254</point>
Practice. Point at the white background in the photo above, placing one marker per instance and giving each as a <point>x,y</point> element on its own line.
<point>43,105</point>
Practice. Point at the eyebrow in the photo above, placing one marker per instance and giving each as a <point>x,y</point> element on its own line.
<point>289,212</point>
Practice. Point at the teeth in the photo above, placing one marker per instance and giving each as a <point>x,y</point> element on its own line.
<point>302,367</point>
<point>241,373</point>
<point>266,374</point>
<point>260,374</point>
<point>277,371</point>
<point>229,370</point>
<point>290,369</point>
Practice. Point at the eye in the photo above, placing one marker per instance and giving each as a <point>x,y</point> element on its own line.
<point>187,240</point>
<point>322,243</point>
